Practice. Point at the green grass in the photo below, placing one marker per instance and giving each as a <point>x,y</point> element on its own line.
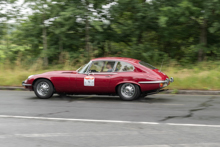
<point>203,76</point>
<point>16,76</point>
<point>175,91</point>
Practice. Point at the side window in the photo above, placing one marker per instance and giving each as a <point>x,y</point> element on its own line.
<point>109,65</point>
<point>97,66</point>
<point>124,66</point>
<point>102,66</point>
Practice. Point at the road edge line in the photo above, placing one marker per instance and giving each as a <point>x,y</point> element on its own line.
<point>107,121</point>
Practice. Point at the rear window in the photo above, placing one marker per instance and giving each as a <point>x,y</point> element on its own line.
<point>147,65</point>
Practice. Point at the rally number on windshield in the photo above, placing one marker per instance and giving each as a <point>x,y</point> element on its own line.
<point>89,81</point>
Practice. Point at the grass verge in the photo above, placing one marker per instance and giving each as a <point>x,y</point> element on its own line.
<point>203,76</point>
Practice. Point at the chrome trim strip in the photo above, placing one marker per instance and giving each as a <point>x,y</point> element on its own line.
<point>151,82</point>
<point>26,84</point>
<point>104,73</point>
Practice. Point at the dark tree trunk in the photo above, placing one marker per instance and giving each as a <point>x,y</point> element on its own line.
<point>203,40</point>
<point>87,30</point>
<point>109,46</point>
<point>45,42</point>
<point>102,47</point>
<point>139,40</point>
<point>60,44</point>
<point>87,38</point>
<point>7,40</point>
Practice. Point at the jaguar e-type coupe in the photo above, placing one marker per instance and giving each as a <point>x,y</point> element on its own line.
<point>126,77</point>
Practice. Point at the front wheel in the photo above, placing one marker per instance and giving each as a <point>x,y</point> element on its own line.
<point>43,89</point>
<point>128,91</point>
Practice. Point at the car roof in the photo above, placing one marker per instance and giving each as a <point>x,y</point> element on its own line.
<point>131,60</point>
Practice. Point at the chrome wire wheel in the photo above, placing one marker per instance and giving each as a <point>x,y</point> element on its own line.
<point>128,90</point>
<point>43,88</point>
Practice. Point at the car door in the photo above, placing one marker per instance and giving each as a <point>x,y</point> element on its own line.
<point>124,72</point>
<point>97,78</point>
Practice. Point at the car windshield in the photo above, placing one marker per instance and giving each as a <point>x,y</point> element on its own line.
<point>147,65</point>
<point>84,68</point>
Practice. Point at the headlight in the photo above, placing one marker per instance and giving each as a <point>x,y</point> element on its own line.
<point>30,76</point>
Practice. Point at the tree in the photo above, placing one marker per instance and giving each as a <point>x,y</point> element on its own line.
<point>8,11</point>
<point>198,14</point>
<point>183,30</point>
<point>80,13</point>
<point>40,8</point>
<point>135,24</point>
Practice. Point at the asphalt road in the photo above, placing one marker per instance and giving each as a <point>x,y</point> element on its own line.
<point>104,121</point>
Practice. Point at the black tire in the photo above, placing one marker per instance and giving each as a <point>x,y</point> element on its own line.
<point>43,89</point>
<point>135,94</point>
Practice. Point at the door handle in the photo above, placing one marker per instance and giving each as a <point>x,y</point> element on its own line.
<point>107,76</point>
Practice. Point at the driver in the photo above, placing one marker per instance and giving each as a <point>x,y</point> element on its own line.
<point>109,67</point>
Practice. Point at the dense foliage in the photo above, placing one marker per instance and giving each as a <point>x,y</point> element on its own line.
<point>185,31</point>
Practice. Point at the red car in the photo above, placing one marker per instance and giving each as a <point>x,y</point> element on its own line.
<point>126,77</point>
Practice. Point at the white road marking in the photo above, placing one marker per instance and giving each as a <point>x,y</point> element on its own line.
<point>153,103</point>
<point>169,104</point>
<point>193,125</point>
<point>78,120</point>
<point>107,121</point>
<point>78,134</point>
<point>177,145</point>
<point>145,146</point>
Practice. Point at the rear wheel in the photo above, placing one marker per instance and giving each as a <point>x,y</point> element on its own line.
<point>43,89</point>
<point>128,91</point>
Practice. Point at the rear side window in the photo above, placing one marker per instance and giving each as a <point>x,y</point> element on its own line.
<point>147,65</point>
<point>124,66</point>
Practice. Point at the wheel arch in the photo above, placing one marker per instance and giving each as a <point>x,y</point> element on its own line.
<point>35,80</point>
<point>116,87</point>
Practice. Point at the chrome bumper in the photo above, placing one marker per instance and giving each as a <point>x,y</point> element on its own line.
<point>24,84</point>
<point>171,80</point>
<point>167,82</point>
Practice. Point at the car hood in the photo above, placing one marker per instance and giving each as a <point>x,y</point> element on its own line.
<point>60,72</point>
